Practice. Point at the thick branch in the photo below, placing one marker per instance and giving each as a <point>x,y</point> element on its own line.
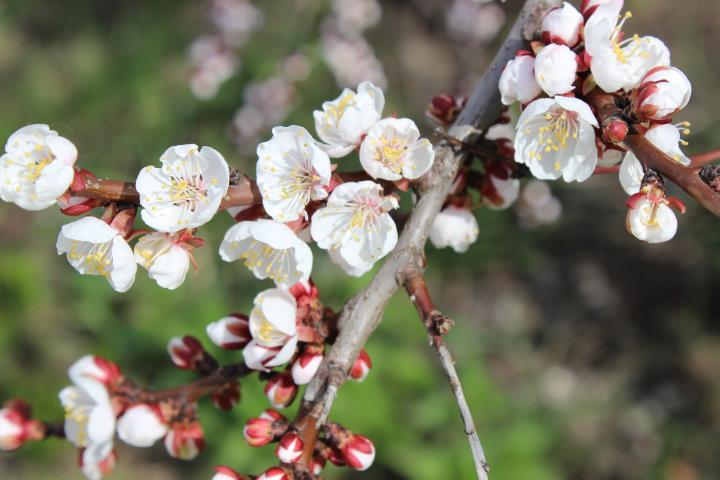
<point>437,325</point>
<point>363,312</point>
<point>686,178</point>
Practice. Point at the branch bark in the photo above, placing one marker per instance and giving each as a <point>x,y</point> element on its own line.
<point>686,178</point>
<point>363,312</point>
<point>437,325</point>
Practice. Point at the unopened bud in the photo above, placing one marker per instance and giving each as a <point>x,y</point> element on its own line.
<point>14,422</point>
<point>274,473</point>
<point>264,429</point>
<point>290,448</point>
<point>306,366</point>
<point>359,452</point>
<point>188,353</point>
<point>185,441</point>
<point>227,473</point>
<point>361,367</point>
<point>231,332</point>
<point>281,390</point>
<point>711,176</point>
<point>615,130</point>
<point>227,396</point>
<point>444,109</point>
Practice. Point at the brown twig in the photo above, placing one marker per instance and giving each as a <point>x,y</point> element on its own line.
<point>363,312</point>
<point>437,325</point>
<point>191,391</point>
<point>686,178</point>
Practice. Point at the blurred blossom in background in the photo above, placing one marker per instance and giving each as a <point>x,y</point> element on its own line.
<point>585,354</point>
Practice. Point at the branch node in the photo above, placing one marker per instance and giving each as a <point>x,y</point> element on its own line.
<point>438,323</point>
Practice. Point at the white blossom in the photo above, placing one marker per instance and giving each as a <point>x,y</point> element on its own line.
<point>555,68</point>
<point>342,122</point>
<point>394,150</point>
<point>141,426</point>
<point>668,138</point>
<point>270,250</point>
<point>291,171</point>
<point>272,326</point>
<point>355,225</point>
<point>89,415</point>
<point>454,227</point>
<point>186,191</point>
<point>555,138</point>
<point>663,92</point>
<point>651,221</point>
<point>517,82</point>
<point>37,167</point>
<point>631,174</point>
<point>165,260</point>
<point>562,25</point>
<point>618,64</point>
<point>95,248</point>
<point>96,461</point>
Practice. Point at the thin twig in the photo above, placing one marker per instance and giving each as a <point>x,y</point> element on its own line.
<point>700,159</point>
<point>363,312</point>
<point>437,325</point>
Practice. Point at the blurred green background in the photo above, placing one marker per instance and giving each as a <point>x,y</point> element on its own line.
<point>584,353</point>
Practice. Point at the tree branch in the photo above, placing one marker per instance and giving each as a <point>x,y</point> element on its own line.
<point>686,178</point>
<point>363,312</point>
<point>438,325</point>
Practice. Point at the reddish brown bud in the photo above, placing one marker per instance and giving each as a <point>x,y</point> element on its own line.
<point>615,130</point>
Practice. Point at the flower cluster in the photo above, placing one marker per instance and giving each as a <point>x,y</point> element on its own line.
<point>582,53</point>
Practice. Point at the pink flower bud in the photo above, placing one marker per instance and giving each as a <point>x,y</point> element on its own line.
<point>274,473</point>
<point>227,473</point>
<point>281,390</point>
<point>258,432</point>
<point>663,92</point>
<point>290,448</point>
<point>231,332</point>
<point>96,368</point>
<point>359,452</point>
<point>142,425</point>
<point>274,415</point>
<point>362,366</point>
<point>226,397</point>
<point>185,441</point>
<point>562,25</point>
<point>186,352</point>
<point>306,366</point>
<point>14,421</point>
<point>444,109</point>
<point>317,465</point>
<point>615,130</point>
<point>97,461</point>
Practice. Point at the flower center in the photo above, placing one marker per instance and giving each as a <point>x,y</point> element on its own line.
<point>97,260</point>
<point>188,190</point>
<point>262,258</point>
<point>553,135</point>
<point>335,112</point>
<point>391,152</point>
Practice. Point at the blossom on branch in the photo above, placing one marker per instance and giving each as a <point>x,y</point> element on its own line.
<point>14,425</point>
<point>618,64</point>
<point>555,138</point>
<point>37,167</point>
<point>393,150</point>
<point>231,332</point>
<point>141,425</point>
<point>186,191</point>
<point>663,92</point>
<point>165,257</point>
<point>89,413</point>
<point>343,122</point>
<point>270,250</point>
<point>454,227</point>
<point>291,171</point>
<point>517,82</point>
<point>95,248</point>
<point>562,25</point>
<point>555,69</point>
<point>355,226</point>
